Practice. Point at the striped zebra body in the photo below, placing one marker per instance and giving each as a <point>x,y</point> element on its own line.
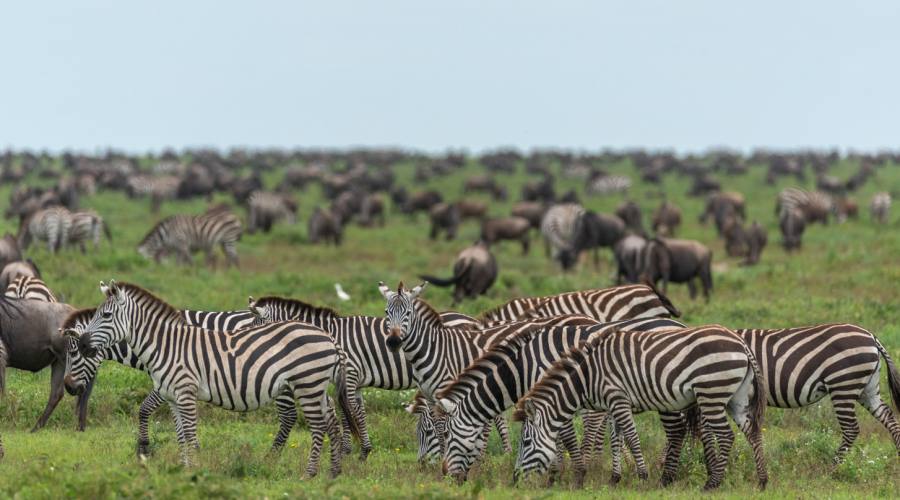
<point>29,287</point>
<point>665,371</point>
<point>239,371</point>
<point>50,225</point>
<point>265,208</point>
<point>183,234</point>
<point>815,206</point>
<point>609,184</point>
<point>369,362</point>
<point>803,365</point>
<point>561,227</point>
<point>86,226</point>
<point>603,304</point>
<point>880,207</point>
<point>437,352</point>
<point>506,372</point>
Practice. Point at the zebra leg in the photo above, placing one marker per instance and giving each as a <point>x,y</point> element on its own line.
<point>366,444</point>
<point>186,406</point>
<point>739,411</point>
<point>332,426</point>
<point>503,430</point>
<point>231,255</point>
<point>570,439</point>
<point>715,421</point>
<point>845,410</point>
<point>675,428</point>
<point>620,409</point>
<point>616,443</point>
<point>57,374</point>
<point>287,418</point>
<point>150,404</point>
<point>485,435</point>
<point>871,400</point>
<point>315,408</point>
<point>591,423</point>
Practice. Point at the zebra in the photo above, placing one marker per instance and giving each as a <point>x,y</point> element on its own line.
<point>82,381</point>
<point>51,225</point>
<point>665,371</point>
<point>265,208</point>
<point>880,207</point>
<point>429,430</point>
<point>609,184</point>
<point>815,206</point>
<point>561,227</point>
<point>437,352</point>
<point>503,374</point>
<point>183,234</point>
<point>603,304</point>
<point>87,226</point>
<point>804,364</point>
<point>29,287</point>
<point>241,371</point>
<point>362,338</point>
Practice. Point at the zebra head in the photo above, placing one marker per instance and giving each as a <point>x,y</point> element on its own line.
<point>464,440</point>
<point>262,313</point>
<point>111,323</point>
<point>399,312</point>
<point>80,369</point>
<point>537,443</point>
<point>428,432</point>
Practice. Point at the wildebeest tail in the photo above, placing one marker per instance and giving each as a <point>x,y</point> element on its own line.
<point>434,280</point>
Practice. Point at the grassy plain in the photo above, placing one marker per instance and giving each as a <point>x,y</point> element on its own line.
<point>848,272</point>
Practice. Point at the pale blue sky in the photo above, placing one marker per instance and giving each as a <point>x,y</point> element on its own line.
<point>474,74</point>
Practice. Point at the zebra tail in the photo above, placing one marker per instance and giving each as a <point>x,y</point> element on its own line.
<point>692,421</point>
<point>893,374</point>
<point>758,402</point>
<point>340,382</point>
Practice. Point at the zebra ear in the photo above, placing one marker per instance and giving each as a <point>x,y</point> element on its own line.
<point>251,305</point>
<point>117,291</point>
<point>410,408</point>
<point>418,290</point>
<point>448,406</point>
<point>104,288</point>
<point>385,291</point>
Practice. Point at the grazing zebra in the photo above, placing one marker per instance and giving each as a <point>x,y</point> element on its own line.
<point>437,352</point>
<point>429,430</point>
<point>51,225</point>
<point>239,371</point>
<point>603,304</point>
<point>503,374</point>
<point>803,365</point>
<point>561,228</point>
<point>29,287</point>
<point>82,380</point>
<point>362,338</point>
<point>880,207</point>
<point>665,371</point>
<point>815,206</point>
<point>265,209</point>
<point>87,226</point>
<point>609,184</point>
<point>184,234</point>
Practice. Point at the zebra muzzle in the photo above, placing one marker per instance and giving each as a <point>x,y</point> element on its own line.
<point>394,341</point>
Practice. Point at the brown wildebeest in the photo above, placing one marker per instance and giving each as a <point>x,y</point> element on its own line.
<point>597,231</point>
<point>9,250</point>
<point>736,242</point>
<point>792,224</point>
<point>542,190</point>
<point>30,340</point>
<point>704,184</point>
<point>474,272</point>
<point>628,252</point>
<point>846,208</point>
<point>444,217</point>
<point>678,261</point>
<point>506,228</point>
<point>666,219</point>
<point>471,209</point>
<point>324,225</point>
<point>533,211</point>
<point>757,237</point>
<point>18,268</point>
<point>372,208</point>
<point>720,205</point>
<point>631,214</point>
<point>421,201</point>
<point>487,184</point>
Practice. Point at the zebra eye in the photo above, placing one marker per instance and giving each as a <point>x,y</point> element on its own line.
<point>107,315</point>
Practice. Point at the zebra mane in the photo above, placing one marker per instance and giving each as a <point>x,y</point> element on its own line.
<point>561,368</point>
<point>295,303</point>
<point>81,316</point>
<point>493,313</point>
<point>492,357</point>
<point>155,229</point>
<point>166,311</point>
<point>428,313</point>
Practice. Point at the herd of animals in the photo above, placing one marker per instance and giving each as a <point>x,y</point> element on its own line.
<point>601,354</point>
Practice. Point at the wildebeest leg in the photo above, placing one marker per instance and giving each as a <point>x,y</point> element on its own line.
<point>526,244</point>
<point>596,257</point>
<point>3,361</point>
<point>57,374</point>
<point>706,280</point>
<point>81,405</point>
<point>692,288</point>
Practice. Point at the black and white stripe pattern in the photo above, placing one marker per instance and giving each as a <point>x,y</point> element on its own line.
<point>86,226</point>
<point>504,373</point>
<point>50,225</point>
<point>880,207</point>
<point>266,208</point>
<point>561,227</point>
<point>29,287</point>
<point>182,234</point>
<point>665,371</point>
<point>241,371</point>
<point>609,184</point>
<point>815,206</point>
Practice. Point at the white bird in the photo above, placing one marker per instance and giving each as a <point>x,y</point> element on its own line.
<point>340,292</point>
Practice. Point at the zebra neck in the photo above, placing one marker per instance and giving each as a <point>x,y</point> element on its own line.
<point>148,338</point>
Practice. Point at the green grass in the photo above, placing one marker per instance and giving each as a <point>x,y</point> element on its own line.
<point>847,272</point>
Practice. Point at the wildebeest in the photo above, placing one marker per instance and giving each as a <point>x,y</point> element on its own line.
<point>474,272</point>
<point>597,231</point>
<point>17,268</point>
<point>704,183</point>
<point>736,243</point>
<point>507,228</point>
<point>471,209</point>
<point>757,237</point>
<point>721,205</point>
<point>533,211</point>
<point>444,217</point>
<point>421,201</point>
<point>324,225</point>
<point>487,184</point>
<point>880,207</point>
<point>792,224</point>
<point>372,209</point>
<point>9,250</point>
<point>666,219</point>
<point>678,261</point>
<point>30,340</point>
<point>628,252</point>
<point>543,190</point>
<point>631,214</point>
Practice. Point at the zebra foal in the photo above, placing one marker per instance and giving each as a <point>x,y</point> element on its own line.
<point>183,234</point>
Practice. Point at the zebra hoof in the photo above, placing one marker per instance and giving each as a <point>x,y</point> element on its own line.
<point>143,450</point>
<point>364,454</point>
<point>579,478</point>
<point>711,485</point>
<point>666,480</point>
<point>614,480</point>
<point>643,475</point>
